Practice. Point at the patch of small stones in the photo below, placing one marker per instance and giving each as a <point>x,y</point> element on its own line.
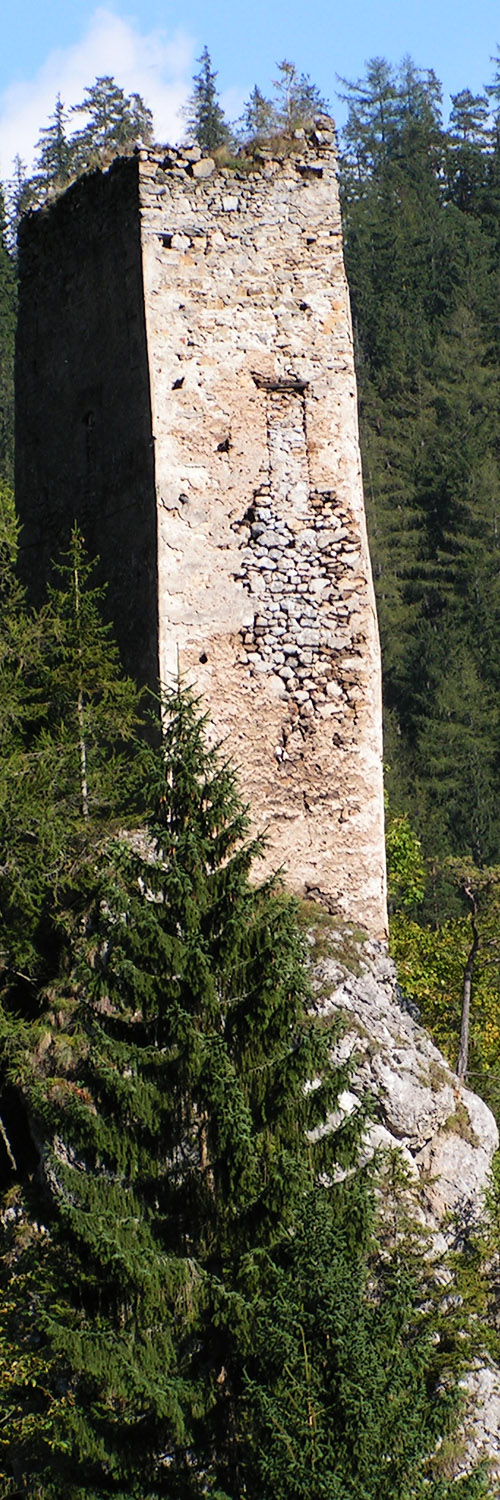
<point>304,586</point>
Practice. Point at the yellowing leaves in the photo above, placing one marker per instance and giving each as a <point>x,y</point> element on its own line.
<point>431,963</point>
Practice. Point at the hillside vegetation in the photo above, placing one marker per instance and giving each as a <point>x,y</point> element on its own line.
<point>422,245</point>
<point>421,206</point>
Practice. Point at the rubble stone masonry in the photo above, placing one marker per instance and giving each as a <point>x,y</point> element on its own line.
<point>203,428</point>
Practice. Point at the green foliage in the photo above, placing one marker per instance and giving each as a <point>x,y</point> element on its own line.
<point>194,1301</point>
<point>198,1298</point>
<point>259,116</point>
<point>90,706</point>
<point>21,196</point>
<point>469,138</point>
<point>115,125</point>
<point>66,716</point>
<point>8,309</point>
<point>54,153</point>
<point>450,963</point>
<point>405,865</point>
<point>167,1078</point>
<point>357,1353</point>
<point>296,99</point>
<point>204,114</point>
<point>420,207</point>
<point>431,964</point>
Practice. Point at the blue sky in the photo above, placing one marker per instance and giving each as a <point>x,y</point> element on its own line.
<point>151,46</point>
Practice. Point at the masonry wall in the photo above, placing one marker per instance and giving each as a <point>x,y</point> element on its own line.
<point>186,389</point>
<point>83,418</point>
<point>265,590</point>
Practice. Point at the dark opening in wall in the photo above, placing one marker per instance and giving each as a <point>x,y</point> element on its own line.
<point>279,382</point>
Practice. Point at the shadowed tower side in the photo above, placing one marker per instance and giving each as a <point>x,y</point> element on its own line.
<point>84,447</point>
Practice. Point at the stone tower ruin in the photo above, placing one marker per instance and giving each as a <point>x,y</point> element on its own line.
<point>186,390</point>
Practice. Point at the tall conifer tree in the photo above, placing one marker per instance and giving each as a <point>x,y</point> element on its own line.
<point>8,309</point>
<point>204,114</point>
<point>54,155</point>
<point>115,124</point>
<point>169,1112</point>
<point>67,715</point>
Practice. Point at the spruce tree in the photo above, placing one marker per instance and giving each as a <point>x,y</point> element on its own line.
<point>21,196</point>
<point>169,1108</point>
<point>23,800</point>
<point>115,124</point>
<point>371,105</point>
<point>54,155</point>
<point>90,705</point>
<point>468,145</point>
<point>66,752</point>
<point>204,114</point>
<point>351,1384</point>
<point>259,118</point>
<point>8,310</point>
<point>297,98</point>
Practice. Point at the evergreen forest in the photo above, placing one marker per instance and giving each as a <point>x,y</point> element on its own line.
<point>206,1291</point>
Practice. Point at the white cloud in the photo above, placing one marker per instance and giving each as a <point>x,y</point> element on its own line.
<point>148,63</point>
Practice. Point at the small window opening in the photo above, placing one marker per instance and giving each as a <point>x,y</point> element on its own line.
<point>279,382</point>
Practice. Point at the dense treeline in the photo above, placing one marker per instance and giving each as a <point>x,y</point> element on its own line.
<point>421,204</point>
<point>422,244</point>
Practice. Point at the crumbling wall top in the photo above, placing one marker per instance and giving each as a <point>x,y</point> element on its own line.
<point>306,151</point>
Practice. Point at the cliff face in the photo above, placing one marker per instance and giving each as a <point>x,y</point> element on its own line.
<point>445,1134</point>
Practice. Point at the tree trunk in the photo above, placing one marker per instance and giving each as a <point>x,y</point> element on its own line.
<point>8,1147</point>
<point>463,1051</point>
<point>80,714</point>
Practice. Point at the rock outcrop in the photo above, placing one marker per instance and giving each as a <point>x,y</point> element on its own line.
<point>446,1135</point>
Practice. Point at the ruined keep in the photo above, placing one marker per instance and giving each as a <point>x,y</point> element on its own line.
<point>186,390</point>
